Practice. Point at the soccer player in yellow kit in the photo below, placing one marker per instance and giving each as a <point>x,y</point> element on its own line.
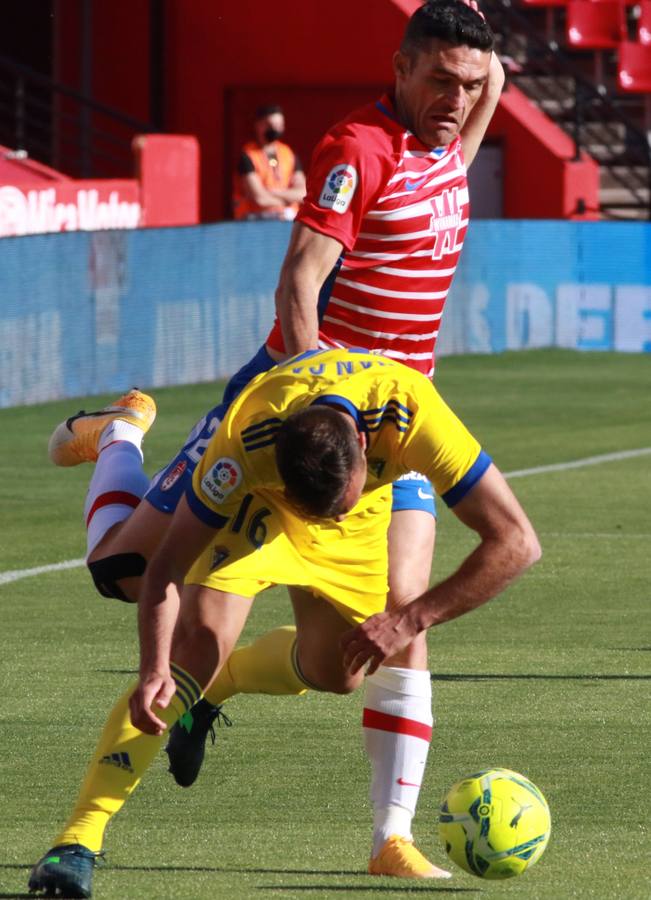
<point>294,488</point>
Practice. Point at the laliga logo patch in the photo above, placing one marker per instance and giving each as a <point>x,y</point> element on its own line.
<point>223,478</point>
<point>338,188</point>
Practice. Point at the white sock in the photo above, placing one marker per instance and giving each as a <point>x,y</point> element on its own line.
<point>390,820</point>
<point>397,732</point>
<point>117,486</point>
<point>119,430</point>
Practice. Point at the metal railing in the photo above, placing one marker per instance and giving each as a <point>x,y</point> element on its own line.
<point>595,120</point>
<point>61,127</point>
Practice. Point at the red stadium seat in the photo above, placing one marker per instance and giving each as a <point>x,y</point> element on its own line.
<point>644,23</point>
<point>595,25</point>
<point>548,6</point>
<point>634,67</point>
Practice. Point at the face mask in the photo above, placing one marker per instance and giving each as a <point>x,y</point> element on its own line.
<point>272,134</point>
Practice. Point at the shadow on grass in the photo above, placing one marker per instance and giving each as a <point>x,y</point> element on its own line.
<point>227,870</point>
<point>117,671</point>
<point>398,890</point>
<point>440,676</point>
<point>474,676</point>
<point>374,888</point>
<point>350,889</point>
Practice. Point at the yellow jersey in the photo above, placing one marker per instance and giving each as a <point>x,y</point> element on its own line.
<point>407,424</point>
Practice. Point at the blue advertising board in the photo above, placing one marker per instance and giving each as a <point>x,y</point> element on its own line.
<point>87,313</point>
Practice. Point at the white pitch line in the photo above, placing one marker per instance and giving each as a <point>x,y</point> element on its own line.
<point>591,535</point>
<point>579,463</point>
<point>17,574</point>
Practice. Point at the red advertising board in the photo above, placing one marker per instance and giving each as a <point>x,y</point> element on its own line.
<point>36,200</point>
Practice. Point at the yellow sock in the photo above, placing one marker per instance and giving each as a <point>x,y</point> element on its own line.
<point>267,666</point>
<point>122,756</point>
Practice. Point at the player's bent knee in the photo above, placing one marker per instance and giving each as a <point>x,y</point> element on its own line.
<point>344,688</point>
<point>342,683</point>
<point>328,681</point>
<point>107,572</point>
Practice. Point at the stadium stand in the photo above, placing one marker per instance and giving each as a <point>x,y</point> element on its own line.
<point>634,67</point>
<point>550,19</point>
<point>594,26</point>
<point>212,94</point>
<point>565,56</point>
<point>644,22</point>
<point>167,306</point>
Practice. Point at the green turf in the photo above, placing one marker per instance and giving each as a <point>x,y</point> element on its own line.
<point>552,679</point>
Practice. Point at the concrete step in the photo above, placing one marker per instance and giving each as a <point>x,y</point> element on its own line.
<point>614,196</point>
<point>639,214</point>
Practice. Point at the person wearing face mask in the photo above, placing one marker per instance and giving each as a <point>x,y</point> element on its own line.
<point>269,182</point>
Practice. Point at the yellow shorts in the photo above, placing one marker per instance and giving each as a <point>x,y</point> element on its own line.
<point>266,544</point>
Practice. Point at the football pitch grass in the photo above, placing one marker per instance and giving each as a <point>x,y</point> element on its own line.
<point>552,679</point>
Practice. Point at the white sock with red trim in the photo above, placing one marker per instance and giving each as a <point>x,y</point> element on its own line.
<point>397,732</point>
<point>118,483</point>
<point>119,430</point>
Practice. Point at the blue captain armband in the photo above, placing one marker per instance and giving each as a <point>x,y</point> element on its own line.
<point>469,480</point>
<point>202,512</point>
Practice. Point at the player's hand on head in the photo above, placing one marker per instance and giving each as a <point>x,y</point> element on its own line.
<point>496,73</point>
<point>473,5</point>
<point>153,691</point>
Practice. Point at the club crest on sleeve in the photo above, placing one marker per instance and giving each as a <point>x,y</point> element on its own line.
<point>339,188</point>
<point>172,477</point>
<point>222,478</point>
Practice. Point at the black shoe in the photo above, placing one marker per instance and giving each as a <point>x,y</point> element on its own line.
<point>64,871</point>
<point>187,741</point>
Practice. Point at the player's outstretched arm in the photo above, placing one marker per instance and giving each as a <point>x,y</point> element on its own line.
<point>474,129</point>
<point>158,607</point>
<point>508,547</point>
<point>310,258</point>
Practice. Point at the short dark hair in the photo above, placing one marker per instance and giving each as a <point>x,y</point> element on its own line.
<point>316,454</point>
<point>268,109</point>
<point>450,21</point>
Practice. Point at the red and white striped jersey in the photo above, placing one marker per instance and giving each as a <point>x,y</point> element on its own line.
<point>400,209</point>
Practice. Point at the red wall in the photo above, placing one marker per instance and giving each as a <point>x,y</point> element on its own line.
<point>35,198</point>
<point>319,61</point>
<point>542,179</point>
<point>120,52</point>
<point>120,69</point>
<point>251,51</point>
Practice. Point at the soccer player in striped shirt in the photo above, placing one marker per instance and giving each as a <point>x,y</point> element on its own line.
<point>370,262</point>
